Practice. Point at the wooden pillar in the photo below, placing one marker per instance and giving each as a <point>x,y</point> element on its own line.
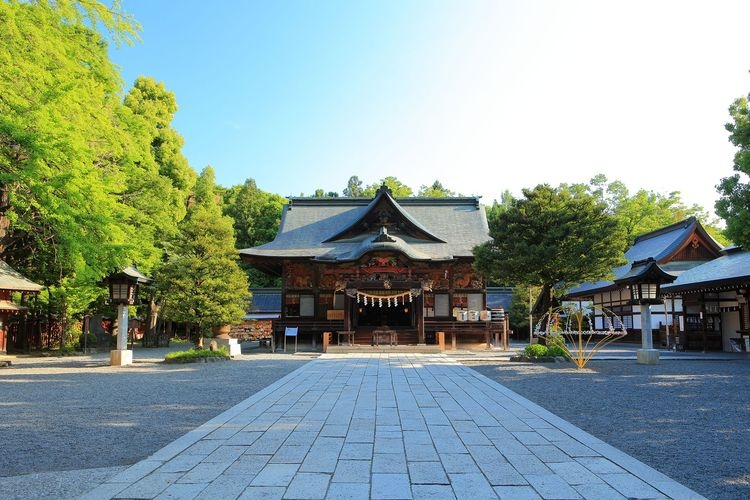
<point>420,318</point>
<point>488,338</point>
<point>347,312</point>
<point>704,322</point>
<point>441,340</point>
<point>505,332</point>
<point>453,340</point>
<point>326,340</point>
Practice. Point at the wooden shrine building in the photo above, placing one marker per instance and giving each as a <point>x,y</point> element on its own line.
<point>11,281</point>
<point>367,267</point>
<point>677,249</point>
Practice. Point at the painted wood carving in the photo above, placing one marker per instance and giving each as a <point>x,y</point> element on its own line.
<point>298,276</point>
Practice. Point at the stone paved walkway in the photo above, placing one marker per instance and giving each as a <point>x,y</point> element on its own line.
<point>389,427</point>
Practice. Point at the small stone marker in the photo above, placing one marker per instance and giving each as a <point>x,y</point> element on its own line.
<point>214,346</point>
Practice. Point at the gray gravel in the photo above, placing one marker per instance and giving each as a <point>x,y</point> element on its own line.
<point>66,414</point>
<point>687,419</point>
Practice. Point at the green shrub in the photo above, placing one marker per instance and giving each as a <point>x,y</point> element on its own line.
<point>91,341</point>
<point>556,346</point>
<point>221,352</point>
<point>68,350</point>
<point>556,350</point>
<point>536,350</point>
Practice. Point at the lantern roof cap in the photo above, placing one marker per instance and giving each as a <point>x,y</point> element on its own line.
<point>130,274</point>
<point>645,271</point>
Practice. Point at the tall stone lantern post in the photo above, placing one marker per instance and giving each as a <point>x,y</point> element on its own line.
<point>644,281</point>
<point>123,292</point>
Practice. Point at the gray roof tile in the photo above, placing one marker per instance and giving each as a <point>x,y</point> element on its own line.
<point>731,268</point>
<point>657,244</point>
<point>307,224</point>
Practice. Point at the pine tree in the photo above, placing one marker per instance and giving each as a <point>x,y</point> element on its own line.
<point>201,283</point>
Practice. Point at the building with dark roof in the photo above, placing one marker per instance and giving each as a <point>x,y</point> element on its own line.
<point>715,298</point>
<point>703,308</point>
<point>365,264</point>
<point>12,281</point>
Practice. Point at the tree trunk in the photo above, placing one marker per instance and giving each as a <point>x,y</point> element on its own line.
<point>150,335</point>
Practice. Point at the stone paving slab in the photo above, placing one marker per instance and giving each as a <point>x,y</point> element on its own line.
<point>388,426</point>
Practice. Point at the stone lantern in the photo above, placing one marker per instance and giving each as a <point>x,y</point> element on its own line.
<point>644,281</point>
<point>123,292</point>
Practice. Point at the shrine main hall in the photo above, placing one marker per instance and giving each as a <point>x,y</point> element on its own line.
<point>366,267</point>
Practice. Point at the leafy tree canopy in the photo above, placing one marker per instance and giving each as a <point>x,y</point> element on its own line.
<point>354,188</point>
<point>398,188</point>
<point>257,216</point>
<point>436,190</point>
<point>60,143</point>
<point>646,211</point>
<point>552,237</point>
<point>734,204</point>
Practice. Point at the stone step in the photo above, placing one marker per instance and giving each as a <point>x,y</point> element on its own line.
<point>360,349</point>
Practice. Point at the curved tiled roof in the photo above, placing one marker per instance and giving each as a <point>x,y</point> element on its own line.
<point>732,269</point>
<point>658,245</point>
<point>10,279</point>
<point>310,228</point>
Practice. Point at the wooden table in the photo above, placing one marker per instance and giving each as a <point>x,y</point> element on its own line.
<point>348,334</point>
<point>389,336</point>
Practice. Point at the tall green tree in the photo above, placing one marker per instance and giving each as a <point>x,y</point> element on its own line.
<point>506,202</point>
<point>734,204</point>
<point>551,238</point>
<point>646,211</point>
<point>158,176</point>
<point>256,216</point>
<point>398,188</point>
<point>61,144</point>
<point>354,188</point>
<point>201,282</point>
<point>256,213</point>
<point>435,190</point>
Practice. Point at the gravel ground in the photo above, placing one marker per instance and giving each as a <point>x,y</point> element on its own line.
<point>687,419</point>
<point>79,413</point>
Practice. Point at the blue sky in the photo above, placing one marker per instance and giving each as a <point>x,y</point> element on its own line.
<point>482,95</point>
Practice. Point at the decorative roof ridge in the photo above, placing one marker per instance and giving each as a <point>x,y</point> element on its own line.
<point>666,229</point>
<point>410,201</point>
<point>384,194</point>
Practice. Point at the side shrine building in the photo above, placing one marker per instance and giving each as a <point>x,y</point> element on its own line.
<point>364,267</point>
<point>705,307</point>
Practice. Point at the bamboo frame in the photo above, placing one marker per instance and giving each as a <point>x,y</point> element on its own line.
<point>576,326</point>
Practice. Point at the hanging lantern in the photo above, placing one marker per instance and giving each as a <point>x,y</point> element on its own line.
<point>410,297</point>
<point>380,302</point>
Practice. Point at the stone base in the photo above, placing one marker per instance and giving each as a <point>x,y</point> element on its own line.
<point>232,344</point>
<point>120,357</point>
<point>647,356</point>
